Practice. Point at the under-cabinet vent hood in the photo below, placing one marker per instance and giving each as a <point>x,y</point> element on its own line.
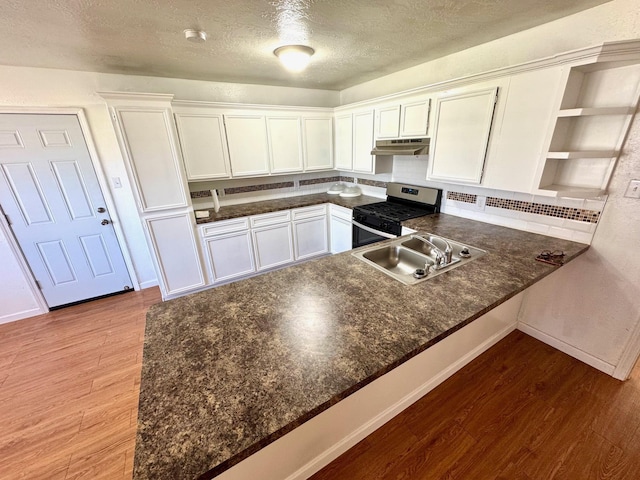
<point>402,146</point>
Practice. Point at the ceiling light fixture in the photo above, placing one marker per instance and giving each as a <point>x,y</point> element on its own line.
<point>294,57</point>
<point>195,36</point>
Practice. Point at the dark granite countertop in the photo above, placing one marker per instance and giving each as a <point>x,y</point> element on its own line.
<point>266,206</point>
<point>229,370</point>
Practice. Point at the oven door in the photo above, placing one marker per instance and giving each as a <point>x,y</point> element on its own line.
<point>364,235</point>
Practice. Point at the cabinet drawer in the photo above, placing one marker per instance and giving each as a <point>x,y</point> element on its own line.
<point>306,212</point>
<point>341,212</point>
<point>225,226</point>
<point>270,218</point>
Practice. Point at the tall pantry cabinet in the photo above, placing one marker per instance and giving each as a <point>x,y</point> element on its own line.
<point>148,140</point>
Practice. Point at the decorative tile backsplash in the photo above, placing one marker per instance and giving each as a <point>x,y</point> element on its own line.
<point>578,214</point>
<point>462,197</point>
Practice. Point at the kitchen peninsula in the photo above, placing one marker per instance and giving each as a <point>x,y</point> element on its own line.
<point>229,370</point>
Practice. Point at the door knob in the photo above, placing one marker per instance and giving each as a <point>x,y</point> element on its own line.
<point>101,209</point>
<point>104,222</point>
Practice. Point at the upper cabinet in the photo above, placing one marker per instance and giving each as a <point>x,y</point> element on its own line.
<point>285,143</point>
<point>354,142</point>
<point>462,127</point>
<point>204,145</point>
<point>146,132</point>
<point>409,118</point>
<point>589,128</point>
<point>317,141</point>
<point>248,145</point>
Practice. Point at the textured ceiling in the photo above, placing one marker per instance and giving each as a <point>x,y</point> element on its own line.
<point>355,40</point>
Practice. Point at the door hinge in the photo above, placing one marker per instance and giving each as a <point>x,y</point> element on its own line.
<point>38,285</point>
<point>8,219</point>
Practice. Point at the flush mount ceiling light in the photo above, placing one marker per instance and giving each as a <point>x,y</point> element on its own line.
<point>294,57</point>
<point>195,36</point>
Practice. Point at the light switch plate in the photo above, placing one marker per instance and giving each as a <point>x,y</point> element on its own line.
<point>633,190</point>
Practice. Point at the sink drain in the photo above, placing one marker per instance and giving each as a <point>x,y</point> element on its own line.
<point>420,273</point>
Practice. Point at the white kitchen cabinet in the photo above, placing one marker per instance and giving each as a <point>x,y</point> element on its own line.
<point>414,118</point>
<point>388,122</point>
<point>317,140</point>
<point>462,127</point>
<point>310,232</point>
<point>176,252</point>
<point>229,249</point>
<point>248,144</point>
<point>529,106</point>
<point>344,142</point>
<point>340,228</point>
<point>363,161</point>
<point>148,140</point>
<point>272,239</point>
<point>204,145</point>
<point>285,144</point>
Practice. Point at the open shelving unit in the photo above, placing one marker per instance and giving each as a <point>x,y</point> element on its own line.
<point>594,115</point>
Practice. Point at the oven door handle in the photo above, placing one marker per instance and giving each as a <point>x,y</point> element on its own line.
<point>375,232</point>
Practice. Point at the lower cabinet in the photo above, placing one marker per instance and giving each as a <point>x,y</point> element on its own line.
<point>340,228</point>
<point>230,255</point>
<point>272,239</point>
<point>310,233</point>
<point>176,252</point>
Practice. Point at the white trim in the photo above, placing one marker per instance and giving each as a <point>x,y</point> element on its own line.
<point>629,356</point>
<point>26,270</point>
<point>568,349</point>
<point>148,284</point>
<point>97,167</point>
<point>248,106</point>
<point>317,442</point>
<point>161,97</point>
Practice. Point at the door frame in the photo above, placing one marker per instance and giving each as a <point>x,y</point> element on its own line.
<point>104,188</point>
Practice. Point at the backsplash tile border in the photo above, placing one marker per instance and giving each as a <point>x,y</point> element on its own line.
<point>462,197</point>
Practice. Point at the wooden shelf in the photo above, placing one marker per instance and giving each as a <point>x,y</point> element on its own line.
<point>584,112</point>
<point>582,154</point>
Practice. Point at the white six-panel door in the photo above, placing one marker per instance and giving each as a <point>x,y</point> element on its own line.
<point>57,212</point>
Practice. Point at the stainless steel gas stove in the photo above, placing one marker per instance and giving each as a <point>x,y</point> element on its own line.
<point>382,220</point>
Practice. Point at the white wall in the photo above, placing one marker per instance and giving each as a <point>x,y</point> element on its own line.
<point>37,87</point>
<point>616,20</point>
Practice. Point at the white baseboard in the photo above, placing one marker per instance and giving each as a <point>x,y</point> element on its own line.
<point>317,442</point>
<point>148,284</point>
<point>20,315</point>
<point>568,349</point>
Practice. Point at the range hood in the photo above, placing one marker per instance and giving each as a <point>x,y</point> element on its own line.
<point>402,146</point>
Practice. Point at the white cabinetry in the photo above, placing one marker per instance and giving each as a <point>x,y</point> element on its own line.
<point>229,249</point>
<point>176,252</point>
<point>462,127</point>
<point>310,232</point>
<point>354,142</point>
<point>409,118</point>
<point>204,145</point>
<point>363,161</point>
<point>591,124</point>
<point>317,140</point>
<point>148,140</point>
<point>344,142</point>
<point>340,229</point>
<point>520,130</point>
<point>248,145</point>
<point>272,239</point>
<point>285,144</point>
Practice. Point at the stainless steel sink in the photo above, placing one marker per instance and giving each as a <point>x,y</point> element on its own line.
<point>411,261</point>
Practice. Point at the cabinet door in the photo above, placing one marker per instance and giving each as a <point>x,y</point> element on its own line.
<point>363,142</point>
<point>248,146</point>
<point>285,144</point>
<point>177,257</point>
<point>341,234</point>
<point>414,119</point>
<point>231,255</point>
<point>344,142</point>
<point>529,109</point>
<point>318,143</point>
<point>273,245</point>
<point>204,146</point>
<point>462,127</point>
<point>149,142</point>
<point>310,237</point>
<point>388,122</point>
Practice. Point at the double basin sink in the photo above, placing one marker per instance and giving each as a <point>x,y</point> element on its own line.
<point>411,260</point>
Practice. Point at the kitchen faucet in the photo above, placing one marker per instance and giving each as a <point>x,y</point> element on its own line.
<point>443,258</point>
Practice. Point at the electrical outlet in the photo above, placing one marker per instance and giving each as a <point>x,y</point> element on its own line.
<point>633,190</point>
<point>116,182</point>
<point>481,202</point>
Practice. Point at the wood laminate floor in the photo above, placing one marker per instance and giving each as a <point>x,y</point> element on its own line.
<point>69,384</point>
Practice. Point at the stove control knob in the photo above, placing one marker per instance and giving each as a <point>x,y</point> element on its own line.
<point>360,218</point>
<point>385,225</point>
